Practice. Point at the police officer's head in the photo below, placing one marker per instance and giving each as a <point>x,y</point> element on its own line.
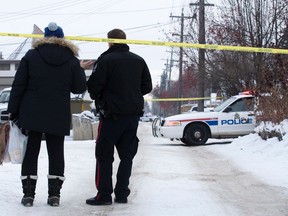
<point>116,34</point>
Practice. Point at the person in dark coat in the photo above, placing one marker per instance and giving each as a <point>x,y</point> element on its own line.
<point>118,83</point>
<point>40,102</point>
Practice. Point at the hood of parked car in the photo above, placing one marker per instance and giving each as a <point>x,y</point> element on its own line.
<point>3,105</point>
<point>193,115</point>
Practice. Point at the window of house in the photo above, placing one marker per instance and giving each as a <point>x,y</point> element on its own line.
<point>4,66</point>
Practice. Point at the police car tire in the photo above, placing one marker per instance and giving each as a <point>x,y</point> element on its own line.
<point>190,139</point>
<point>183,140</point>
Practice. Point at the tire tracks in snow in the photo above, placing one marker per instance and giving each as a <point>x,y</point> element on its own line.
<point>235,187</point>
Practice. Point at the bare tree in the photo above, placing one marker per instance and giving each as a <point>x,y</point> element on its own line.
<point>249,23</point>
<point>255,23</point>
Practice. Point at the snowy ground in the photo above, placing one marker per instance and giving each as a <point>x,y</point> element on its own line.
<point>246,177</point>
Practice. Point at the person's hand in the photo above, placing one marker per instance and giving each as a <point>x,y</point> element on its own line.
<point>12,116</point>
<point>86,65</point>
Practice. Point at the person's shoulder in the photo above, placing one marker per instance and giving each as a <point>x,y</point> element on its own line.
<point>136,55</point>
<point>105,58</point>
<point>30,53</point>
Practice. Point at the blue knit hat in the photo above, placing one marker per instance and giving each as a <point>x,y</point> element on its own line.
<point>53,30</point>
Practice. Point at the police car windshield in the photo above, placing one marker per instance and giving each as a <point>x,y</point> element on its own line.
<point>224,104</point>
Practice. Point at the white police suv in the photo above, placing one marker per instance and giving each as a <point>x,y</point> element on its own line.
<point>234,117</point>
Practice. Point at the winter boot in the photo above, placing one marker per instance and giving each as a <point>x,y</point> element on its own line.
<point>54,187</point>
<point>29,186</point>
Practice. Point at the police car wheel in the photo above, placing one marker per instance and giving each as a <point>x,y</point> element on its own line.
<point>196,134</point>
<point>183,140</point>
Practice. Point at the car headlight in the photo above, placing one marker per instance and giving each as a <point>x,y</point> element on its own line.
<point>169,123</point>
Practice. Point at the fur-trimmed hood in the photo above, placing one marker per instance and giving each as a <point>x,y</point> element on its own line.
<point>58,41</point>
<point>55,51</point>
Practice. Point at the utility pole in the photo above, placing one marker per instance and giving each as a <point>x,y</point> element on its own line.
<point>201,64</point>
<point>166,75</point>
<point>180,89</point>
<point>169,66</point>
<point>170,69</point>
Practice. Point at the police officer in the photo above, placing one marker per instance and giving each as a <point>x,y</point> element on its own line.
<point>119,80</point>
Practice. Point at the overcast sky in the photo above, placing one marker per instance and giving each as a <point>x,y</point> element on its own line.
<point>141,20</point>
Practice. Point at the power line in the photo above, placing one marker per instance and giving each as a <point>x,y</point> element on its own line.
<point>86,13</point>
<point>42,9</point>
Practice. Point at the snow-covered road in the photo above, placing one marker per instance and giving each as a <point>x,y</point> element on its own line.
<point>168,179</point>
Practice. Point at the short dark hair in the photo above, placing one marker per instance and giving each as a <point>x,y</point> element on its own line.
<point>117,34</point>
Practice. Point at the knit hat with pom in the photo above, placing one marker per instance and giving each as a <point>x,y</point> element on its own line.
<point>53,30</point>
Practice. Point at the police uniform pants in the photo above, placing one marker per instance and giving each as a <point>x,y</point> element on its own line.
<point>122,134</point>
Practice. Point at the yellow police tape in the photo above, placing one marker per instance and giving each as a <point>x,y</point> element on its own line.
<point>176,99</point>
<point>159,43</point>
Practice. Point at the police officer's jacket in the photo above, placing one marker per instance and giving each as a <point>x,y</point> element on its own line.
<point>119,80</point>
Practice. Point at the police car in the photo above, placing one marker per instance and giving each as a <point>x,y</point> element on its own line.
<point>4,98</point>
<point>234,117</point>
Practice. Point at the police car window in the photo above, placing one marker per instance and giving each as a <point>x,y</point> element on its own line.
<point>249,104</point>
<point>224,104</point>
<point>241,105</point>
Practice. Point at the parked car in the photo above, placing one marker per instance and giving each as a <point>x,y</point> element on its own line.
<point>195,109</point>
<point>4,98</point>
<point>234,117</point>
<point>147,118</point>
<point>144,118</point>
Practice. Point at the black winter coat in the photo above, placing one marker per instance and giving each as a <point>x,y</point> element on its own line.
<point>119,80</point>
<point>42,85</point>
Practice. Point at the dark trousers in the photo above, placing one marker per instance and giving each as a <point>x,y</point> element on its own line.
<point>121,133</point>
<point>55,149</point>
